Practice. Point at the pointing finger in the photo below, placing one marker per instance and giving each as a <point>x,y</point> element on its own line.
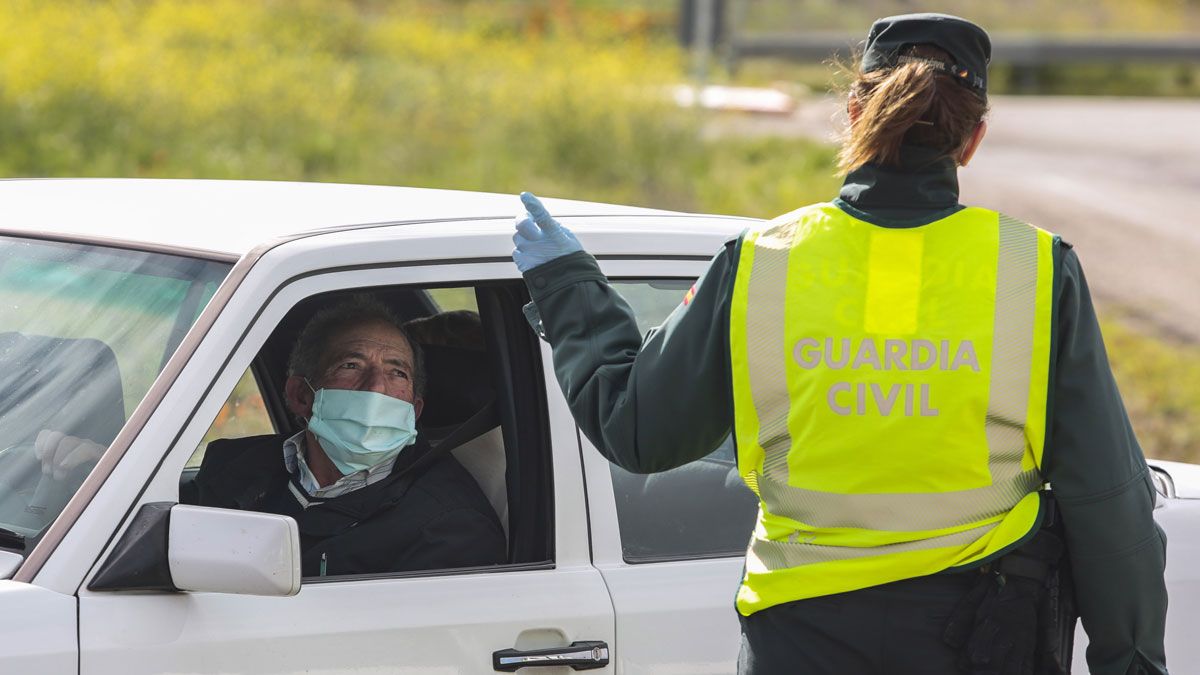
<point>538,212</point>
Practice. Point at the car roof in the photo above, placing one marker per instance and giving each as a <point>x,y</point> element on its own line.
<point>232,217</point>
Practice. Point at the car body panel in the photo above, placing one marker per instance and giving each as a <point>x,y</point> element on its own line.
<point>686,605</point>
<point>1180,518</point>
<point>449,624</point>
<point>37,630</point>
<point>232,217</point>
<point>1185,478</point>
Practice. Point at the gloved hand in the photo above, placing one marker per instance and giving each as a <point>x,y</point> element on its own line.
<point>540,238</point>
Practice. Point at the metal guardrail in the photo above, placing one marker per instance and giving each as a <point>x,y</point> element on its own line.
<point>1008,49</point>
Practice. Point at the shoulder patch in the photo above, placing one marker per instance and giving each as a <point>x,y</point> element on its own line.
<point>687,298</point>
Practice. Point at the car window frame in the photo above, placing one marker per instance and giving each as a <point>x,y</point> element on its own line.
<point>253,334</point>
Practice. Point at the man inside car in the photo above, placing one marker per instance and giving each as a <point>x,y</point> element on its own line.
<point>368,493</point>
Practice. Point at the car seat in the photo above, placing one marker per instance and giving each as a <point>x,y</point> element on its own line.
<point>70,385</point>
<point>459,391</point>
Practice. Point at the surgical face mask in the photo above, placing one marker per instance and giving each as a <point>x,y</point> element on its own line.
<point>359,429</point>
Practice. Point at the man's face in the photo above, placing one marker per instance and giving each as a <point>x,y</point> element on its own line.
<point>366,357</point>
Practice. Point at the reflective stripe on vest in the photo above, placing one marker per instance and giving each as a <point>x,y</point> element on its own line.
<point>890,393</point>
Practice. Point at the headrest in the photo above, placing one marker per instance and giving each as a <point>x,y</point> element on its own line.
<point>458,384</point>
<point>71,385</point>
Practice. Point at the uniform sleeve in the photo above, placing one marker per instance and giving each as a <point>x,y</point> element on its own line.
<point>1102,484</point>
<point>648,404</point>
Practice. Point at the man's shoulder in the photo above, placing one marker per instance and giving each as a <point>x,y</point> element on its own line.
<point>230,463</point>
<point>442,487</point>
<point>224,452</point>
<point>449,483</point>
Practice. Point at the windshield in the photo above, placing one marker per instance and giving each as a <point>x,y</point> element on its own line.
<point>84,331</point>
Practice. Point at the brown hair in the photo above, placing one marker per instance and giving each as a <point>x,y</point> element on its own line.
<point>911,103</point>
<point>357,310</point>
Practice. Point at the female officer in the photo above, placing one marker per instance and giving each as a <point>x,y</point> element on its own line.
<point>902,375</point>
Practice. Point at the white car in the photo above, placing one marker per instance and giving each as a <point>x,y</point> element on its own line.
<point>152,316</point>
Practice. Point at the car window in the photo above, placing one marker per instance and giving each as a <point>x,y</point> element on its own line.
<point>244,414</point>
<point>450,299</point>
<point>701,509</point>
<point>388,466</point>
<point>84,331</point>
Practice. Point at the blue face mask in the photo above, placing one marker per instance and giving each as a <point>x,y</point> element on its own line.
<point>359,429</point>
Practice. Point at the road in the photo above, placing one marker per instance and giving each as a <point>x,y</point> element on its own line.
<point>1118,178</point>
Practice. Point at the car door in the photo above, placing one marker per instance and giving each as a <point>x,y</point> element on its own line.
<point>670,545</point>
<point>437,621</point>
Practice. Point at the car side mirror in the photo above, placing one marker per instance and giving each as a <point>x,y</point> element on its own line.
<point>1164,487</point>
<point>176,547</point>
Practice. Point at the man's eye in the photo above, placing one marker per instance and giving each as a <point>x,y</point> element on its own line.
<point>349,365</point>
<point>400,373</point>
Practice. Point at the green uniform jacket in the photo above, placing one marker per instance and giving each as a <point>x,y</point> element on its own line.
<point>654,403</point>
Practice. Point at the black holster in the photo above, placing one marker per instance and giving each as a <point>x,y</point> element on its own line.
<point>1019,618</point>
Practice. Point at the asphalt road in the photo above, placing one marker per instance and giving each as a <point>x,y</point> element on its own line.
<point>1118,178</point>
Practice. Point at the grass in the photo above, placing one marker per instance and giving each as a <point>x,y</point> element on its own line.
<point>561,98</point>
<point>1070,17</point>
<point>394,93</point>
<point>1158,377</point>
<point>1178,80</point>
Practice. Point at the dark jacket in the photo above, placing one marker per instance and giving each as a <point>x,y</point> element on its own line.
<point>424,515</point>
<point>624,391</point>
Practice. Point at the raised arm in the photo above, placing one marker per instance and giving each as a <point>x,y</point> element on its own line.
<point>648,405</point>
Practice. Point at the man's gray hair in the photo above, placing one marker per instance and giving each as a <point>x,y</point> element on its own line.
<point>306,355</point>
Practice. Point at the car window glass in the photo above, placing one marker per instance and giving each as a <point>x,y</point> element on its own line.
<point>701,509</point>
<point>449,299</point>
<point>244,414</point>
<point>84,331</point>
<point>437,499</point>
<point>652,300</point>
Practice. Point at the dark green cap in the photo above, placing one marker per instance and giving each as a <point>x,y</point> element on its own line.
<point>967,44</point>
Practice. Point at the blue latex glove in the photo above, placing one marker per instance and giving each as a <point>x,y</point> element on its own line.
<point>540,238</point>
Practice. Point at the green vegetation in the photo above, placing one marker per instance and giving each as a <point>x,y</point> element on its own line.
<point>1080,79</point>
<point>1100,79</point>
<point>1158,377</point>
<point>1069,17</point>
<point>397,93</point>
<point>562,98</point>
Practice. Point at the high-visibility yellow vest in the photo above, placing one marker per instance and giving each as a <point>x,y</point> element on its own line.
<point>890,390</point>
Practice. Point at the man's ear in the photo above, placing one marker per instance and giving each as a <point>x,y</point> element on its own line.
<point>973,143</point>
<point>418,404</point>
<point>298,396</point>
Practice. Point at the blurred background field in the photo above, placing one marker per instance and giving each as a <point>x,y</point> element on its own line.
<point>392,93</point>
<point>565,98</point>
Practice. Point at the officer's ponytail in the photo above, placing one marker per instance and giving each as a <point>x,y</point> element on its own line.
<point>912,103</point>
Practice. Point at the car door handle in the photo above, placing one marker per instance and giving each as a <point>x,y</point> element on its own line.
<point>580,656</point>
